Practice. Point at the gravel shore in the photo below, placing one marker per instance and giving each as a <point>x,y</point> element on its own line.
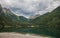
<point>18,35</point>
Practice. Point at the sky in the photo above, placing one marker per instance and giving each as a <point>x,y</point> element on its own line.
<point>29,8</point>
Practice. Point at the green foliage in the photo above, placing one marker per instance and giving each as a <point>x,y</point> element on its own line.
<point>48,23</point>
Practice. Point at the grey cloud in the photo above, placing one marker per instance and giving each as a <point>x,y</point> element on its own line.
<point>29,8</point>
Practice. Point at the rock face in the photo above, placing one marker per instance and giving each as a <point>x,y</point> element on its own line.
<point>1,18</point>
<point>16,35</point>
<point>0,8</point>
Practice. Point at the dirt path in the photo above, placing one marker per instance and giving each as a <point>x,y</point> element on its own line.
<point>17,35</point>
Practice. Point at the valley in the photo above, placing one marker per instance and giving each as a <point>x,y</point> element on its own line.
<point>47,24</point>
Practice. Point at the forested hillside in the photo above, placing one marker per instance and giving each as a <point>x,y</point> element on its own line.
<point>47,24</point>
<point>8,19</point>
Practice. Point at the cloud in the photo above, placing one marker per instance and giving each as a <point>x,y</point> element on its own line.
<point>29,8</point>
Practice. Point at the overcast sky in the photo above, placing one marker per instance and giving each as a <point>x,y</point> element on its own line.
<point>29,8</point>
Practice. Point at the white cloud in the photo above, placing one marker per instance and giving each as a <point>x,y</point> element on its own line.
<point>53,5</point>
<point>30,7</point>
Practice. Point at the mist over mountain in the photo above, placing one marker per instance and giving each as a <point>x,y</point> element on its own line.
<point>48,15</point>
<point>7,18</point>
<point>48,24</point>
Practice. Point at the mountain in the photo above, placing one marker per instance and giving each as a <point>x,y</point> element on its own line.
<point>48,16</point>
<point>35,16</point>
<point>7,18</point>
<point>0,9</point>
<point>49,23</point>
<point>8,13</point>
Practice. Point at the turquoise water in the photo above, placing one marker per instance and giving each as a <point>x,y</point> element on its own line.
<point>30,30</point>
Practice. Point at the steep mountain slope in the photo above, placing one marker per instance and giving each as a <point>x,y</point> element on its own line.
<point>7,18</point>
<point>9,14</point>
<point>55,14</point>
<point>1,19</point>
<point>49,23</point>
